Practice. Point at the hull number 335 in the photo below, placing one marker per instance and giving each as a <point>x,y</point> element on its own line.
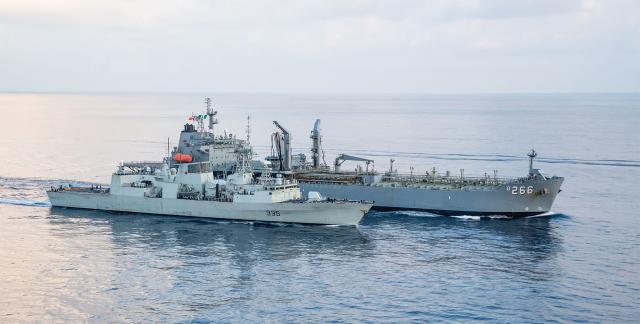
<point>273,213</point>
<point>521,190</point>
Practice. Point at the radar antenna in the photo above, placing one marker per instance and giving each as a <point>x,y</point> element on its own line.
<point>168,150</point>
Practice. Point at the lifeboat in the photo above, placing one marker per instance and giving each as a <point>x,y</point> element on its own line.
<point>182,158</point>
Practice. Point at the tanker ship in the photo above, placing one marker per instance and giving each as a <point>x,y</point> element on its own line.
<point>433,192</point>
<point>448,195</point>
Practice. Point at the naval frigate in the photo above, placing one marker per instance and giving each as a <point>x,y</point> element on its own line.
<point>222,186</point>
<point>435,192</point>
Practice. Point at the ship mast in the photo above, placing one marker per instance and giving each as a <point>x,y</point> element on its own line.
<point>248,129</point>
<point>211,113</point>
<point>531,156</point>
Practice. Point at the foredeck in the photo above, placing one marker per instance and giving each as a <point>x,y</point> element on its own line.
<point>407,180</point>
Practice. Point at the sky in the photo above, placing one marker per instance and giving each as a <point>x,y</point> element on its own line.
<point>320,46</point>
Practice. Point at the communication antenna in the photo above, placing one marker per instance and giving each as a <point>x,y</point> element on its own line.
<point>324,162</point>
<point>248,129</point>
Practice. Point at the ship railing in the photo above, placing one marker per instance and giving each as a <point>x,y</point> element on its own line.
<point>138,167</point>
<point>92,189</point>
<point>329,200</point>
<point>219,199</point>
<point>282,186</point>
<point>328,181</point>
<point>350,177</point>
<point>141,164</point>
<point>443,179</point>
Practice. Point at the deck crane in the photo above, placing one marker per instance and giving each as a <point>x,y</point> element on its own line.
<point>344,157</point>
<point>285,152</point>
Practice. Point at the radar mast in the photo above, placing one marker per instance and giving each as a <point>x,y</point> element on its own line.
<point>211,113</point>
<point>531,156</point>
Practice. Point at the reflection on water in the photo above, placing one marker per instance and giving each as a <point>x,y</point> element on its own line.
<point>516,246</point>
<point>533,235</point>
<point>84,263</point>
<point>202,236</point>
<point>217,267</point>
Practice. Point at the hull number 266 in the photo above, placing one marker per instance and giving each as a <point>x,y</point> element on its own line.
<point>521,190</point>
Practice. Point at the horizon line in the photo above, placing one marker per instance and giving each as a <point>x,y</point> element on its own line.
<point>66,92</point>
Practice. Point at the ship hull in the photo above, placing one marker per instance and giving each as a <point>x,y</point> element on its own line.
<point>457,212</point>
<point>476,201</point>
<point>347,213</point>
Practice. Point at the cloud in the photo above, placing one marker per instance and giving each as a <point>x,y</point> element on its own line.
<point>316,46</point>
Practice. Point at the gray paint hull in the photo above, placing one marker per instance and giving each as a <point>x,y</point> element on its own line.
<point>343,213</point>
<point>494,200</point>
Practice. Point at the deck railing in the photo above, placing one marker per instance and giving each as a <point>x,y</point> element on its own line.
<point>408,179</point>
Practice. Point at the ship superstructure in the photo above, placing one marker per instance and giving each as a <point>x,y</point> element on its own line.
<point>199,143</point>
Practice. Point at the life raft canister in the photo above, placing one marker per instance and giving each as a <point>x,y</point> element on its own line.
<point>182,158</point>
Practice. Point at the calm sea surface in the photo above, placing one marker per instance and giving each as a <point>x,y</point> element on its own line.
<point>581,263</point>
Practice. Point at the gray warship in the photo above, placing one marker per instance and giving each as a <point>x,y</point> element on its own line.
<point>434,192</point>
<point>222,186</point>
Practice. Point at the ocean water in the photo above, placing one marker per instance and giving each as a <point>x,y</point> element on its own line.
<point>579,263</point>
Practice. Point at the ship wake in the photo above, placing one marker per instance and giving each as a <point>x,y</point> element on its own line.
<point>30,191</point>
<point>18,202</point>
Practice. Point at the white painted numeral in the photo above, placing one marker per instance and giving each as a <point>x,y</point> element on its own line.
<point>521,190</point>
